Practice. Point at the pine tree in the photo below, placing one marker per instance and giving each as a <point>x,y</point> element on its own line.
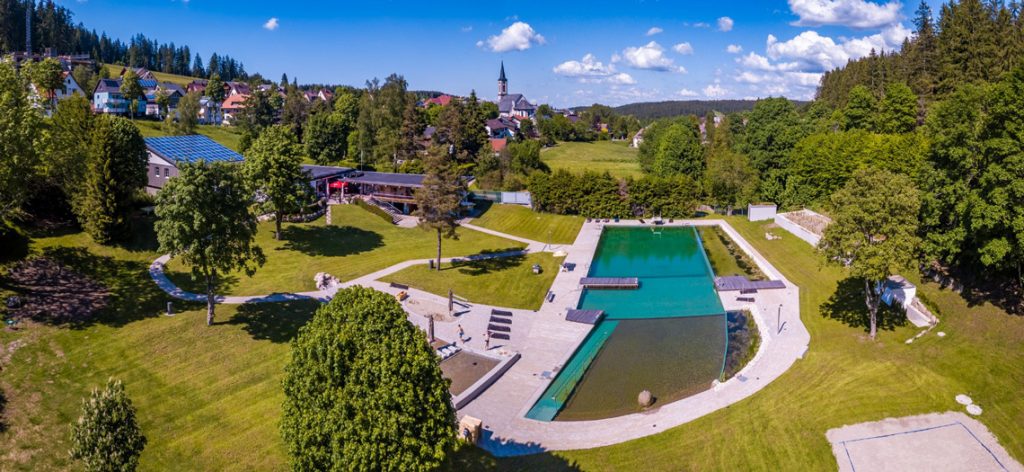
<point>116,173</point>
<point>897,113</point>
<point>861,109</point>
<point>20,127</point>
<point>439,200</point>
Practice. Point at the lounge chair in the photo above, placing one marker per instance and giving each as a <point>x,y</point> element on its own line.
<point>494,327</point>
<point>501,313</point>
<point>495,319</point>
<point>551,297</point>
<point>500,336</point>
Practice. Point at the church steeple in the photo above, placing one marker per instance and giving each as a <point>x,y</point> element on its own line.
<point>502,83</point>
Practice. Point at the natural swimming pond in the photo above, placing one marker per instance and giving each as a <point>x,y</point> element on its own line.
<point>669,336</point>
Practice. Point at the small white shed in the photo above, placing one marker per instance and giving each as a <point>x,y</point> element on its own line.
<point>761,211</point>
<point>897,289</point>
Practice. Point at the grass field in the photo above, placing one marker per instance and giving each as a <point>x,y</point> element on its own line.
<point>181,80</point>
<point>357,244</point>
<point>209,398</point>
<point>478,281</point>
<point>615,157</point>
<point>518,220</point>
<point>227,136</point>
<point>843,379</point>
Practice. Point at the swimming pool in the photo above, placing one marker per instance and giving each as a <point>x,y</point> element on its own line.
<point>669,336</point>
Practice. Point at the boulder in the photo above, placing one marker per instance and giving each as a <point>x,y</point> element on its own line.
<point>645,399</point>
<point>325,281</point>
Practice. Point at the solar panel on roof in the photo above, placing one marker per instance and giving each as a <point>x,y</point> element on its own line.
<point>191,149</point>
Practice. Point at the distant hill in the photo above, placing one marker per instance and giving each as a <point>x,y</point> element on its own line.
<point>655,110</point>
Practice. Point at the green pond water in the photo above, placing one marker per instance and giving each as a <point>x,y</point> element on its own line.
<point>669,336</point>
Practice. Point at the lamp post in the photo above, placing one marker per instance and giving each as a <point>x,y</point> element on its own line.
<point>778,319</point>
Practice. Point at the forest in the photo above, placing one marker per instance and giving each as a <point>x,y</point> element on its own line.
<point>53,27</point>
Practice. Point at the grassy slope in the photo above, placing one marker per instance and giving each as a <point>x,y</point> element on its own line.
<point>226,135</point>
<point>518,220</point>
<point>477,280</point>
<point>181,80</point>
<point>615,157</point>
<point>843,379</point>
<point>357,244</point>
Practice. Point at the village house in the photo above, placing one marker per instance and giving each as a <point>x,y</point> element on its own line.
<point>107,98</point>
<point>167,153</point>
<point>231,106</point>
<point>440,100</point>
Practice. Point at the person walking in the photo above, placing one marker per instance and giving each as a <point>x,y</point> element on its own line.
<point>462,334</point>
<point>487,339</point>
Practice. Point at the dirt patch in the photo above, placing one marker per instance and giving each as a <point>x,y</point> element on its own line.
<point>49,292</point>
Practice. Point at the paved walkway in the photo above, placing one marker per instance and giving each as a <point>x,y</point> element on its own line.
<point>546,341</point>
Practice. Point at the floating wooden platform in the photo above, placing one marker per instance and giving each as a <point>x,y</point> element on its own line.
<point>610,282</point>
<point>584,316</point>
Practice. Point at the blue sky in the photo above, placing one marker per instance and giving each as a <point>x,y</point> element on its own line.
<point>611,52</point>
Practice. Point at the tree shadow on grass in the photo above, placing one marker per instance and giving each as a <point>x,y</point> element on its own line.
<point>330,241</point>
<point>472,458</point>
<point>274,322</point>
<point>484,263</point>
<point>847,305</point>
<point>186,281</point>
<point>75,288</point>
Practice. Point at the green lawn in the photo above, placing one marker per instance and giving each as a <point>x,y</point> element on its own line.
<point>228,136</point>
<point>843,379</point>
<point>181,80</point>
<point>615,157</point>
<point>357,244</point>
<point>477,281</point>
<point>518,220</point>
<point>209,398</point>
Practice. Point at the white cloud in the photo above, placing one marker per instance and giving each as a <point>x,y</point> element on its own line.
<point>591,70</point>
<point>650,57</point>
<point>734,49</point>
<point>683,48</point>
<point>725,24</point>
<point>271,24</point>
<point>714,90</point>
<point>816,53</point>
<point>852,13</point>
<point>699,24</point>
<point>466,29</point>
<point>756,61</point>
<point>687,93</point>
<point>519,36</point>
<point>589,66</point>
<point>621,78</point>
<point>654,30</point>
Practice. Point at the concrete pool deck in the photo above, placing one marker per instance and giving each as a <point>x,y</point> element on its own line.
<point>552,340</point>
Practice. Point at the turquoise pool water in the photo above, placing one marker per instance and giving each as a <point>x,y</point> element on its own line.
<point>669,336</point>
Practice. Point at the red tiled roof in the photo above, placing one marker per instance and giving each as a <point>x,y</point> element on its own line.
<point>499,144</point>
<point>442,100</point>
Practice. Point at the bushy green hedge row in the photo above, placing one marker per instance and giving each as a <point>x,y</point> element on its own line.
<point>595,195</point>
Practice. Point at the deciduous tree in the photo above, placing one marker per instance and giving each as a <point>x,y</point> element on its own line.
<point>48,77</point>
<point>131,90</point>
<point>204,217</point>
<point>273,170</point>
<point>364,390</point>
<point>19,146</point>
<point>107,436</point>
<point>873,231</point>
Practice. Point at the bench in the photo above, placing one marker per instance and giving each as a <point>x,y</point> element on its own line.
<point>399,286</point>
<point>494,327</point>
<point>550,297</point>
